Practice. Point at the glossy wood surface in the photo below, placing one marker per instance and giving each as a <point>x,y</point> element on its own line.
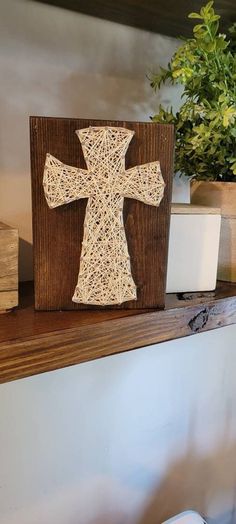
<point>35,342</point>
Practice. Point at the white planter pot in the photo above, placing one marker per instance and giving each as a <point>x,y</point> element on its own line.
<point>193,248</point>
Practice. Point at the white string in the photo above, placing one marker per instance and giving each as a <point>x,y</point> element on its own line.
<point>105,272</point>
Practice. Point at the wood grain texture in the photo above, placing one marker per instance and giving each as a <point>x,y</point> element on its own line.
<point>227,251</point>
<point>34,342</point>
<point>215,194</point>
<point>8,267</point>
<point>160,16</point>
<point>190,209</point>
<point>223,195</point>
<point>58,233</point>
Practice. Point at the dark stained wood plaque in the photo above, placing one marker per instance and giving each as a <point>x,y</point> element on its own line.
<point>58,233</point>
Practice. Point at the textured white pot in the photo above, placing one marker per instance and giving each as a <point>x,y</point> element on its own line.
<point>193,248</point>
<point>223,195</point>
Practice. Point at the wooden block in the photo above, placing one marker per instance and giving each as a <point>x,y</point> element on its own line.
<point>222,194</point>
<point>58,232</point>
<point>216,194</point>
<point>8,267</point>
<point>227,254</point>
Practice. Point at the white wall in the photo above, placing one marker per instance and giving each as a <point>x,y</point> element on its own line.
<point>135,437</point>
<point>132,438</point>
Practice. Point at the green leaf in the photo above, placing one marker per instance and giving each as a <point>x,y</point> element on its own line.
<point>229,114</point>
<point>214,28</point>
<point>177,73</point>
<point>195,15</point>
<point>221,43</point>
<point>233,168</point>
<point>209,5</point>
<point>210,47</point>
<point>222,98</point>
<point>199,27</point>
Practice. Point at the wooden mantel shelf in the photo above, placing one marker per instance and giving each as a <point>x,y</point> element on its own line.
<point>35,342</point>
<point>168,18</point>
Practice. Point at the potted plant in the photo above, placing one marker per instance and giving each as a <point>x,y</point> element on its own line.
<point>205,124</point>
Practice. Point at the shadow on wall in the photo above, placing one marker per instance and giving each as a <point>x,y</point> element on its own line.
<point>206,484</point>
<point>26,255</point>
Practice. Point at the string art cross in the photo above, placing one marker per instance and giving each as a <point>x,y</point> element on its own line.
<point>105,276</point>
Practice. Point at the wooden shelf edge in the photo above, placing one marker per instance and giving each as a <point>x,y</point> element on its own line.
<point>158,17</point>
<point>38,353</point>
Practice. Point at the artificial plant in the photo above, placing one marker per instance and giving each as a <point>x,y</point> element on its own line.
<point>206,122</point>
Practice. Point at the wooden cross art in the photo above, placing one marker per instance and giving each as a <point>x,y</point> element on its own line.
<point>105,276</point>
